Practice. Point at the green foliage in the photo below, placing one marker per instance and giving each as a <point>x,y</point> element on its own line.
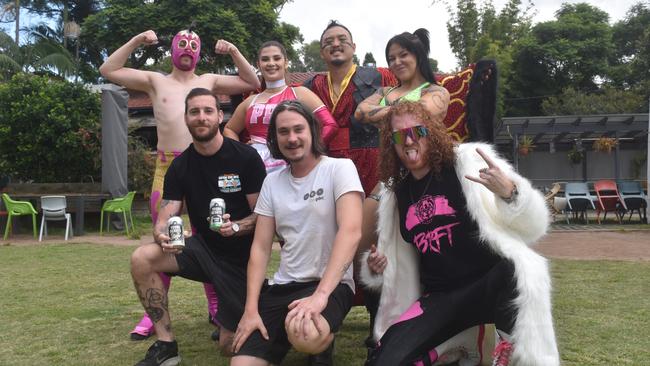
<point>496,38</point>
<point>630,62</point>
<point>141,165</point>
<point>247,24</point>
<point>571,51</point>
<point>608,100</point>
<point>49,130</point>
<point>42,55</point>
<point>311,60</point>
<point>368,58</point>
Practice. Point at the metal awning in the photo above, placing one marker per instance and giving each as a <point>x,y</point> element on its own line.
<point>558,129</point>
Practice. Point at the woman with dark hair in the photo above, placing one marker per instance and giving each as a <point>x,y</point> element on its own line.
<point>454,225</point>
<point>408,58</point>
<point>254,113</point>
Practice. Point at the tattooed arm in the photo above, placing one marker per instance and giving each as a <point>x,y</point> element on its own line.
<point>168,209</point>
<point>436,100</point>
<point>369,110</point>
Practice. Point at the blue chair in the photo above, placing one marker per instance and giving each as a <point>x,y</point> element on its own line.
<point>633,199</point>
<point>578,200</point>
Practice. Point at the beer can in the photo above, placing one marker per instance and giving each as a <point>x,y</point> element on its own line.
<point>217,209</point>
<point>175,230</point>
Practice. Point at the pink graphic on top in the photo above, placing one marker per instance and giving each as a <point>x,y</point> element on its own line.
<point>430,240</point>
<point>426,208</point>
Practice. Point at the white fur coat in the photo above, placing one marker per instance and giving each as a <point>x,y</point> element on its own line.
<point>507,228</point>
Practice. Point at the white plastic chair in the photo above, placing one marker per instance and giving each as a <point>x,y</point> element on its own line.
<point>54,209</point>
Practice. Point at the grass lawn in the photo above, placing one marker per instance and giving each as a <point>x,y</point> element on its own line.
<point>73,304</point>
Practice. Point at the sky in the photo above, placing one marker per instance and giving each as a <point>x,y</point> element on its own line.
<point>373,23</point>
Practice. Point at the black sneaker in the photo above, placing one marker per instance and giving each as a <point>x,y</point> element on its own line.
<point>325,358</point>
<point>161,354</point>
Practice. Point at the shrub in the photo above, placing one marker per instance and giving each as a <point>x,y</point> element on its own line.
<point>49,130</point>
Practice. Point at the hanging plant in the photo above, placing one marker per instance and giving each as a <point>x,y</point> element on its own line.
<point>575,156</point>
<point>605,144</point>
<point>525,145</point>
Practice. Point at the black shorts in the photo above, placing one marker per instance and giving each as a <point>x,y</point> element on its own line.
<point>197,262</point>
<point>273,307</point>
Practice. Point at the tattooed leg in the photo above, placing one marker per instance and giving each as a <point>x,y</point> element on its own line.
<point>151,292</point>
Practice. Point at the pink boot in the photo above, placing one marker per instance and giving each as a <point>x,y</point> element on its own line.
<point>144,329</point>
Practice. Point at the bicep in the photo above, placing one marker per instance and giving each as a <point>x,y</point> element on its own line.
<point>131,78</point>
<point>264,232</point>
<point>369,223</point>
<point>308,98</point>
<point>436,103</point>
<point>230,84</point>
<point>349,208</point>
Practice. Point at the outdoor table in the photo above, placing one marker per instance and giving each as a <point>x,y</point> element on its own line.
<point>76,200</point>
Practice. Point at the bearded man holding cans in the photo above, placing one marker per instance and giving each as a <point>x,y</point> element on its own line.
<point>212,169</point>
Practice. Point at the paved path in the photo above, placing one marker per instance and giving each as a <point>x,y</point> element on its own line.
<point>585,242</point>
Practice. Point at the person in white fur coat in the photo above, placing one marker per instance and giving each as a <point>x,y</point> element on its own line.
<point>454,227</point>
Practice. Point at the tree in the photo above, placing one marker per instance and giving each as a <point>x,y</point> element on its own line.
<point>433,63</point>
<point>571,51</point>
<point>246,23</point>
<point>43,55</point>
<point>49,129</point>
<point>476,34</point>
<point>369,59</point>
<point>608,100</point>
<point>630,61</point>
<point>311,60</point>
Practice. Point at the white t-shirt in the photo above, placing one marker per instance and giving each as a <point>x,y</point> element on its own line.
<point>305,216</point>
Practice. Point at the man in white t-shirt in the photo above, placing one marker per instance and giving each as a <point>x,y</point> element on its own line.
<point>314,205</point>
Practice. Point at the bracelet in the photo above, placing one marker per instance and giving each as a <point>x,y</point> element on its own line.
<point>375,197</point>
<point>513,195</point>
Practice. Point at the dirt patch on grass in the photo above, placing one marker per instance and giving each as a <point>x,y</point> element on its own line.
<point>595,245</point>
<point>586,245</point>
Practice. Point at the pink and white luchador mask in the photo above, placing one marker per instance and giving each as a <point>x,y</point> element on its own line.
<point>186,43</point>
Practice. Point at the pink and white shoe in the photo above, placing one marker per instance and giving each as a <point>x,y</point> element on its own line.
<point>502,353</point>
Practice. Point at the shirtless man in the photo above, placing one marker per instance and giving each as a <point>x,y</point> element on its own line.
<point>167,93</point>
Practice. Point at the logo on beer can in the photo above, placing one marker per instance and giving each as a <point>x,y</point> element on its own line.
<point>217,209</point>
<point>175,229</point>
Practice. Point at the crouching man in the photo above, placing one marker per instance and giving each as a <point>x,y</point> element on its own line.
<point>314,204</point>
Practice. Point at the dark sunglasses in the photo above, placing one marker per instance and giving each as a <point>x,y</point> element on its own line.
<point>415,132</point>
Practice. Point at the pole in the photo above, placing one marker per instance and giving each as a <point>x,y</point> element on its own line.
<point>647,159</point>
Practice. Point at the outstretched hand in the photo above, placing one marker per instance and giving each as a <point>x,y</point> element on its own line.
<point>493,178</point>
<point>249,323</point>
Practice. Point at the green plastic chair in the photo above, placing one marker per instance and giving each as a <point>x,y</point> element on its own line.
<point>18,208</point>
<point>117,205</point>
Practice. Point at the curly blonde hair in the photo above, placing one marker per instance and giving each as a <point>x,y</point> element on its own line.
<point>441,145</point>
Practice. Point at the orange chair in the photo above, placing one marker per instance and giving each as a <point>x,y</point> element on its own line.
<point>608,199</point>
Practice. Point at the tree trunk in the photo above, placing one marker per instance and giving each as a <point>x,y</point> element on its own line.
<point>17,10</point>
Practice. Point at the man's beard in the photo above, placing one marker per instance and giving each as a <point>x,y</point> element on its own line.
<point>205,137</point>
<point>338,62</point>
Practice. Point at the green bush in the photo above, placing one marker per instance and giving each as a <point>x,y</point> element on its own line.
<point>49,130</point>
<point>141,165</point>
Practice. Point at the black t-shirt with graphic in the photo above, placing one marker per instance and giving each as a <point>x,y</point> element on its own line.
<point>233,172</point>
<point>434,218</point>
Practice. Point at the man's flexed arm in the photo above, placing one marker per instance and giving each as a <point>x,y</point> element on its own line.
<point>113,68</point>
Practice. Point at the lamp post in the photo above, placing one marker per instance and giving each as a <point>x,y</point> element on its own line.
<point>72,30</point>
